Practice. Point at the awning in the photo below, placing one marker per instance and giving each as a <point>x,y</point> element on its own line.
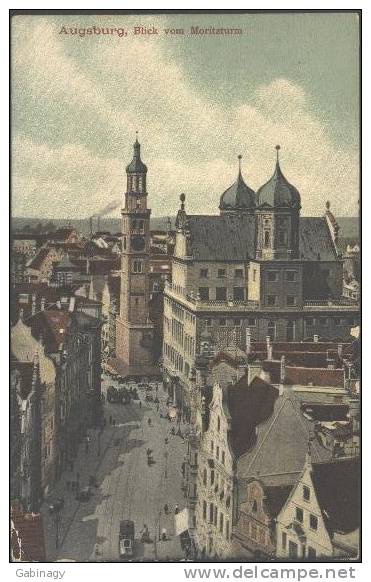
<point>181,521</point>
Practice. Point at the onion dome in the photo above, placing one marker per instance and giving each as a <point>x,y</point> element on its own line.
<point>278,192</point>
<point>136,165</point>
<point>239,195</point>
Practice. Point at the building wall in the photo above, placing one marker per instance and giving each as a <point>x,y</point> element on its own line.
<point>315,539</point>
<point>215,484</point>
<point>254,523</point>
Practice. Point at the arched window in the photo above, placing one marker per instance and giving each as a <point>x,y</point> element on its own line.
<point>254,506</point>
<point>205,477</point>
<point>267,238</point>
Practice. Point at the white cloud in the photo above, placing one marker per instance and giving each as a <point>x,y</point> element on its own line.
<point>190,142</point>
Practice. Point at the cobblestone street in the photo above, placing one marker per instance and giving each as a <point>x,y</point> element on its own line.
<point>127,487</point>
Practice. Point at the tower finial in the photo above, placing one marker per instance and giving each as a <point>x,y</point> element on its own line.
<point>239,163</point>
<point>328,205</point>
<point>182,199</point>
<point>278,147</point>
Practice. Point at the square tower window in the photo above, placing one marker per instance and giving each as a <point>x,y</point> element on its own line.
<point>137,266</point>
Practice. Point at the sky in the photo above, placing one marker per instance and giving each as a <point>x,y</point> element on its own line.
<point>197,102</point>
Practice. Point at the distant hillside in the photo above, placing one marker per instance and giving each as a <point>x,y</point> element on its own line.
<point>112,225</point>
<point>349,225</point>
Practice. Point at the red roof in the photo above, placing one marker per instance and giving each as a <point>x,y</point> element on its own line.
<point>27,539</point>
<point>297,346</point>
<point>314,376</point>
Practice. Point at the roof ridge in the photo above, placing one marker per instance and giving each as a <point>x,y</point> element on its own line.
<point>267,433</point>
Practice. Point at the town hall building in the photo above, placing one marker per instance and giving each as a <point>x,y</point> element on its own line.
<point>258,268</point>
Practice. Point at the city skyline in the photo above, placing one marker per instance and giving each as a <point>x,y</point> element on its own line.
<point>74,122</point>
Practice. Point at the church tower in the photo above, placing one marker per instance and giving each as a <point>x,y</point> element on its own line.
<point>277,218</point>
<point>134,331</point>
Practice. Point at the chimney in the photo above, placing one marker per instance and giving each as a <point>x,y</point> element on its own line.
<point>315,339</point>
<point>248,340</point>
<point>282,369</point>
<point>33,307</point>
<point>42,303</point>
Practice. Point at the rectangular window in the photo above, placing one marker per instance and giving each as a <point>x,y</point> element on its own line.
<point>284,540</point>
<point>251,322</point>
<point>238,293</point>
<point>217,453</point>
<point>310,322</point>
<point>212,446</point>
<point>137,267</point>
<point>291,276</point>
<point>290,300</point>
<point>337,321</point>
<point>237,322</point>
<point>211,514</point>
<point>306,493</point>
<point>254,275</point>
<point>204,293</point>
<point>204,273</point>
<point>221,522</point>
<point>238,273</point>
<point>312,553</point>
<point>222,273</point>
<point>271,300</point>
<point>221,294</point>
<point>299,514</point>
<point>227,530</point>
<point>323,321</point>
<point>222,322</point>
<point>313,522</point>
<point>223,457</point>
<point>204,510</point>
<point>272,275</point>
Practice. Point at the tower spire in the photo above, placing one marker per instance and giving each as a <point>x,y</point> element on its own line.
<point>239,163</point>
<point>278,147</point>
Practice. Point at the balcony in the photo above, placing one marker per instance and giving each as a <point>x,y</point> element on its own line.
<point>193,302</point>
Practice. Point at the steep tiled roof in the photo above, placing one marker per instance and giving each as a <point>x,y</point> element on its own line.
<point>275,496</point>
<point>39,259</point>
<point>337,485</point>
<point>52,325</point>
<point>232,238</point>
<point>282,443</point>
<point>248,407</point>
<point>315,376</point>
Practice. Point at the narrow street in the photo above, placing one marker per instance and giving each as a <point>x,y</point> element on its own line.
<point>127,488</point>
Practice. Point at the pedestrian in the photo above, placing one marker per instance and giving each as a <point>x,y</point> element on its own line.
<point>166,440</point>
<point>140,404</point>
<point>157,406</point>
<point>166,509</point>
<point>176,509</point>
<point>149,422</point>
<point>164,534</point>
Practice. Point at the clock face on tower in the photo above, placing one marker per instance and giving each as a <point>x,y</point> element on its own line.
<point>138,243</point>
